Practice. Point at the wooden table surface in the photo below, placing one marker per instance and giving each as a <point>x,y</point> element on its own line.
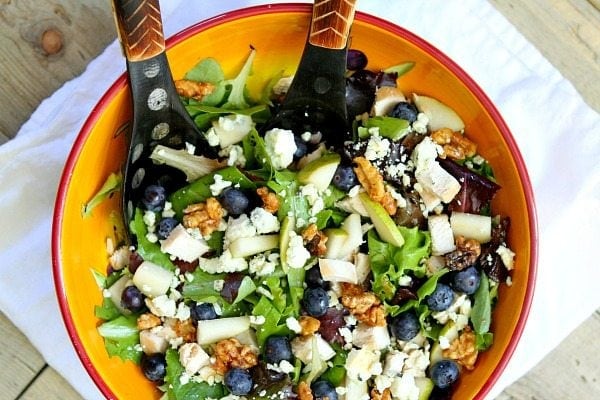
<point>44,43</point>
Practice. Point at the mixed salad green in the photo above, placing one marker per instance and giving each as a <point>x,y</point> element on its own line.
<point>287,269</point>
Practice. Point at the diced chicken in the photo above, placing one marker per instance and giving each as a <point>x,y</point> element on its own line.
<point>302,348</point>
<point>371,337</point>
<point>193,357</point>
<point>442,238</point>
<point>386,98</point>
<point>438,181</point>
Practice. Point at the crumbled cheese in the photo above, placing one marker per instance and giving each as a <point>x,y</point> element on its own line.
<point>162,306</point>
<point>224,263</point>
<point>405,388</point>
<point>151,237</point>
<point>257,320</point>
<point>168,211</point>
<point>183,312</point>
<point>377,147</point>
<point>235,155</point>
<point>296,253</point>
<point>149,219</point>
<point>212,138</point>
<point>239,227</point>
<point>382,382</point>
<point>218,284</point>
<point>507,256</point>
<point>306,136</point>
<point>280,146</point>
<point>363,363</point>
<point>293,324</point>
<point>262,265</point>
<point>217,187</point>
<point>420,125</point>
<point>193,357</point>
<point>264,221</point>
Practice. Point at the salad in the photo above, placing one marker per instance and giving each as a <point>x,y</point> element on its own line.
<point>286,269</point>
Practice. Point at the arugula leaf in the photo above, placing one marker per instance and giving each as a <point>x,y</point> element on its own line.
<point>484,340</point>
<point>201,288</point>
<point>146,249</point>
<point>199,190</point>
<point>107,310</point>
<point>481,313</point>
<point>121,338</point>
<point>236,99</point>
<point>274,321</point>
<point>247,287</point>
<point>191,390</point>
<point>110,186</point>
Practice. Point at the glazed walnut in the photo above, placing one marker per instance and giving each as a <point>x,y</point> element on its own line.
<point>309,325</point>
<point>269,199</point>
<point>184,329</point>
<point>314,240</point>
<point>365,306</point>
<point>377,395</point>
<point>148,321</point>
<point>192,89</point>
<point>456,146</point>
<point>304,392</point>
<point>371,179</point>
<point>466,254</point>
<point>230,353</point>
<point>463,349</point>
<point>204,216</point>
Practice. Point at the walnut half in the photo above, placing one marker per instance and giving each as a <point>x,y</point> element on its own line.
<point>230,353</point>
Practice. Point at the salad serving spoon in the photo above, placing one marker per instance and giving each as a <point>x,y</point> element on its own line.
<point>159,116</point>
<point>316,99</point>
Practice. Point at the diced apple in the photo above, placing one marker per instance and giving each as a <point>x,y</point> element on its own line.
<point>384,225</point>
<point>248,338</point>
<point>212,330</point>
<point>337,270</point>
<point>336,237</point>
<point>472,226</point>
<point>386,97</point>
<point>152,280</point>
<point>302,348</point>
<point>425,386</point>
<point>442,239</point>
<point>248,246</point>
<point>320,172</point>
<point>353,228</point>
<point>439,114</point>
<point>287,226</point>
<point>116,290</point>
<point>182,245</point>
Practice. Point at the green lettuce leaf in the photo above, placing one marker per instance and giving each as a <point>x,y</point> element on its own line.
<point>121,338</point>
<point>191,390</point>
<point>110,186</point>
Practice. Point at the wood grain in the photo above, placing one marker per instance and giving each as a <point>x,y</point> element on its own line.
<point>140,28</point>
<point>331,22</point>
<point>567,33</point>
<point>86,27</point>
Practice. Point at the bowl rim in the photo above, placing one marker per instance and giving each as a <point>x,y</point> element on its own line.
<point>184,34</point>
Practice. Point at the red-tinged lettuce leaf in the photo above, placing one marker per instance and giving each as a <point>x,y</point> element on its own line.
<point>476,191</point>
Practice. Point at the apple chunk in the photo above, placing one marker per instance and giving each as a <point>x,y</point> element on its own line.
<point>439,114</point>
<point>320,172</point>
<point>212,330</point>
<point>384,225</point>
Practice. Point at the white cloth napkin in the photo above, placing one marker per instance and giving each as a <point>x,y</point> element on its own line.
<point>558,134</point>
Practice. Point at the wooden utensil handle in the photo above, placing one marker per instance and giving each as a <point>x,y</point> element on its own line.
<point>331,22</point>
<point>140,28</point>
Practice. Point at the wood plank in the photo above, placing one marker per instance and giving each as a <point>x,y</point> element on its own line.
<point>567,33</point>
<point>50,385</point>
<point>19,360</point>
<point>34,73</point>
<point>571,371</point>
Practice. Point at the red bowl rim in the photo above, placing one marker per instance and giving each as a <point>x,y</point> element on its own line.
<point>281,8</point>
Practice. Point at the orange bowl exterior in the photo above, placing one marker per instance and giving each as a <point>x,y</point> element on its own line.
<point>278,33</point>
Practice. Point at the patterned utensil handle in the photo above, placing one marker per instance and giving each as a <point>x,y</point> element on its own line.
<point>140,28</point>
<point>331,22</point>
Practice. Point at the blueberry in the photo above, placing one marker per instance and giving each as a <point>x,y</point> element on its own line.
<point>467,280</point>
<point>344,178</point>
<point>154,198</point>
<point>316,301</point>
<point>324,390</point>
<point>444,373</point>
<point>405,326</point>
<point>277,348</point>
<point>441,298</point>
<point>234,201</point>
<point>301,147</point>
<point>132,299</point>
<point>313,278</point>
<point>405,110</point>
<point>356,59</point>
<point>154,366</point>
<point>165,226</point>
<point>238,381</point>
<point>202,312</point>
